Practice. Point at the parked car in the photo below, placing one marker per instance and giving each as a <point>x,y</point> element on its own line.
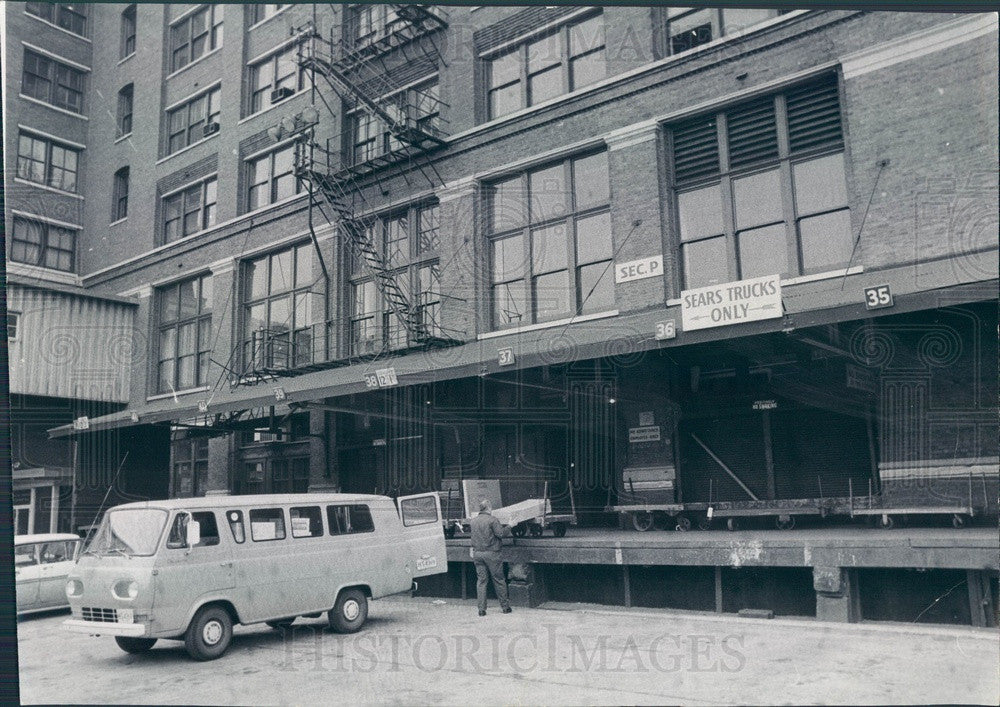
<point>41,564</point>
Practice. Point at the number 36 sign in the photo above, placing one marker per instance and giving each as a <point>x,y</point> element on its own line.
<point>878,297</point>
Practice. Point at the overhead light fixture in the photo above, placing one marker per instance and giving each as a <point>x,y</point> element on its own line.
<point>612,401</point>
<point>288,124</point>
<point>275,132</point>
<point>310,116</point>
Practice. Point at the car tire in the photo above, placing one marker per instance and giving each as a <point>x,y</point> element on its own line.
<point>134,645</point>
<point>209,633</point>
<point>348,615</point>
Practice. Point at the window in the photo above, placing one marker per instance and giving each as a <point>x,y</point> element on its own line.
<point>236,526</point>
<point>13,322</point>
<point>128,32</point>
<point>349,519</point>
<point>271,177</point>
<point>185,334</point>
<point>195,35</point>
<point>275,77</point>
<point>194,120</point>
<point>189,465</point>
<point>264,10</point>
<point>551,242</point>
<point>125,111</point>
<point>306,521</point>
<point>190,210</point>
<point>53,82</point>
<point>371,22</point>
<point>25,555</point>
<point>278,309</point>
<point>408,243</point>
<point>59,551</point>
<point>43,244</point>
<point>688,28</point>
<point>267,524</point>
<point>44,161</point>
<point>208,530</point>
<point>419,511</point>
<point>775,196</point>
<point>72,18</point>
<point>569,58</point>
<point>119,198</point>
<point>418,106</point>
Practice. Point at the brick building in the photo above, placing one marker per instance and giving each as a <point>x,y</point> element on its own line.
<point>390,247</point>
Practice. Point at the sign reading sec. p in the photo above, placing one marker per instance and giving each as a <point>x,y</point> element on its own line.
<point>639,269</point>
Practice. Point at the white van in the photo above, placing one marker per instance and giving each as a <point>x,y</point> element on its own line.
<point>189,569</point>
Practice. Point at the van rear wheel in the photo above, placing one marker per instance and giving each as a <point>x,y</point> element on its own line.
<point>134,645</point>
<point>348,615</point>
<point>209,633</point>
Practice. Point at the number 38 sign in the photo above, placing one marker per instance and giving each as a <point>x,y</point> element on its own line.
<point>878,297</point>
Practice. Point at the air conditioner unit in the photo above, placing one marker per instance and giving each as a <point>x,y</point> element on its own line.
<point>211,129</point>
<point>280,94</point>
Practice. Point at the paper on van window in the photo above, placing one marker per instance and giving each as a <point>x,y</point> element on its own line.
<point>300,527</point>
<point>263,530</point>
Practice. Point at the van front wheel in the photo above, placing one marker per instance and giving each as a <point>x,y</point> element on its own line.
<point>134,645</point>
<point>209,634</point>
<point>349,613</point>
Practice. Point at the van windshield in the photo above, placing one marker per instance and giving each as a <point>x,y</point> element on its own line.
<point>128,532</point>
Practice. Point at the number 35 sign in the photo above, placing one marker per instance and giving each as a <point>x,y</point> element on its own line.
<point>878,297</point>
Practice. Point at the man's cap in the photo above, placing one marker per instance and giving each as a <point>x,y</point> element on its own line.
<point>484,505</point>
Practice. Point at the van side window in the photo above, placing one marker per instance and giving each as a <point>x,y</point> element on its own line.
<point>418,511</point>
<point>24,555</point>
<point>267,524</point>
<point>235,519</point>
<point>349,519</point>
<point>56,552</point>
<point>209,530</point>
<point>306,521</point>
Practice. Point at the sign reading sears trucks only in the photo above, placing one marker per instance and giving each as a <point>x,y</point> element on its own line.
<point>731,303</point>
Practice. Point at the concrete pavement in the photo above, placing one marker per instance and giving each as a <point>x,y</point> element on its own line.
<point>424,651</point>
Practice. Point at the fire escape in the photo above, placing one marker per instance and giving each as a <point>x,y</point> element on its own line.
<point>408,124</point>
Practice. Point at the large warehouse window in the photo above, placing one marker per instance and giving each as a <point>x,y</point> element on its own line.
<point>43,244</point>
<point>761,188</point>
<point>185,341</point>
<point>271,177</point>
<point>52,81</point>
<point>189,210</point>
<point>71,17</point>
<point>687,28</point>
<point>418,105</point>
<point>195,119</point>
<point>195,35</point>
<point>550,236</point>
<point>47,162</point>
<point>275,78</point>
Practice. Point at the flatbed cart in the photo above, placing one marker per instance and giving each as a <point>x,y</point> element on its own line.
<point>536,525</point>
<point>645,516</point>
<point>532,516</point>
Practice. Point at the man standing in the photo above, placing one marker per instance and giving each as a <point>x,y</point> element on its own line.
<point>486,533</point>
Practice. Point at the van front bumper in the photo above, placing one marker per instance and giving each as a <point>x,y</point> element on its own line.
<point>98,628</point>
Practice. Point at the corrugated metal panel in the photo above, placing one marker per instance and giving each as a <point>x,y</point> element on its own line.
<point>71,347</point>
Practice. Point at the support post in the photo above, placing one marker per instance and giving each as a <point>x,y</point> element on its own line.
<point>836,594</point>
<point>718,589</point>
<point>768,454</point>
<point>627,586</point>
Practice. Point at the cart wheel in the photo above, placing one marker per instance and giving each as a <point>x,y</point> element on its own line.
<point>704,523</point>
<point>885,522</point>
<point>642,521</point>
<point>959,521</point>
<point>683,524</point>
<point>784,522</point>
<point>559,529</point>
<point>732,524</point>
<point>535,529</point>
<point>519,530</point>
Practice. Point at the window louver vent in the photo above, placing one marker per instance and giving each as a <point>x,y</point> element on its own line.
<point>696,149</point>
<point>814,116</point>
<point>753,133</point>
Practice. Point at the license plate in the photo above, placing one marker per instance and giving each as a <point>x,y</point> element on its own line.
<point>126,616</point>
<point>426,563</point>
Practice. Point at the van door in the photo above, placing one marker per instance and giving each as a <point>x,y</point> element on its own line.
<point>421,516</point>
<point>27,575</point>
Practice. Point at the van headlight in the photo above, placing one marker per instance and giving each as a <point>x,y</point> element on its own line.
<point>125,589</point>
<point>74,588</point>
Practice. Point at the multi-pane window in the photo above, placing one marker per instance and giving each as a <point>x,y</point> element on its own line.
<point>688,28</point>
<point>369,23</point>
<point>564,60</point>
<point>263,10</point>
<point>185,336</point>
<point>119,195</point>
<point>195,35</point>
<point>190,210</point>
<point>550,241</point>
<point>194,120</point>
<point>43,244</point>
<point>127,47</point>
<point>275,77</point>
<point>13,321</point>
<point>71,17</point>
<point>279,302</point>
<point>408,242</point>
<point>418,106</point>
<point>52,81</point>
<point>189,463</point>
<point>271,177</point>
<point>124,117</point>
<point>761,188</point>
<point>43,161</point>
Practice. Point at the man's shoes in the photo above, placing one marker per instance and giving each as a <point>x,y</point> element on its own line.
<point>507,610</point>
<point>482,613</point>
